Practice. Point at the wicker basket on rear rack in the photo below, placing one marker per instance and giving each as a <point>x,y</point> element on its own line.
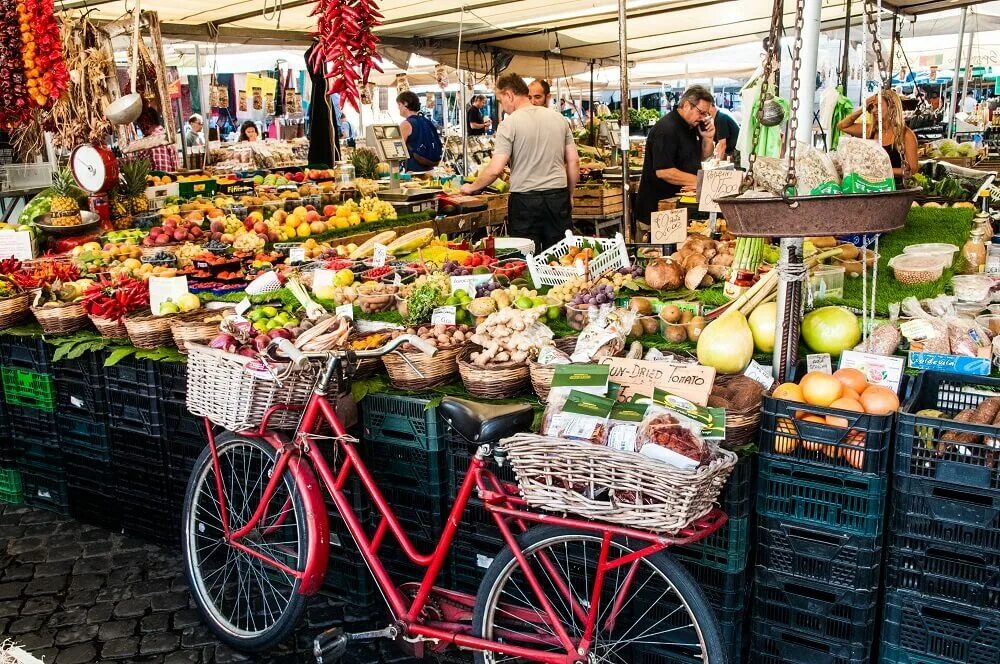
<point>629,489</point>
<point>235,392</point>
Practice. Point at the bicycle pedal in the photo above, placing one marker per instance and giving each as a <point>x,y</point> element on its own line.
<point>330,646</point>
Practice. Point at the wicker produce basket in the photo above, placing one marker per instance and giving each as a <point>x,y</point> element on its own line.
<point>368,366</point>
<point>629,489</point>
<point>541,374</point>
<point>413,370</point>
<point>742,424</point>
<point>193,328</point>
<point>109,327</point>
<point>228,389</point>
<point>149,331</point>
<point>497,381</point>
<point>61,319</point>
<point>13,309</point>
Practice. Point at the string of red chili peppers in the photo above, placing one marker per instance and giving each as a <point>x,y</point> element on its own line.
<point>345,30</point>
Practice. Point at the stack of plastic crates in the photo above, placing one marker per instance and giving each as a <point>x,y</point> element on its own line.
<point>85,438</point>
<point>943,581</point>
<point>403,446</point>
<point>183,435</point>
<point>29,393</point>
<point>821,506</point>
<point>138,457</point>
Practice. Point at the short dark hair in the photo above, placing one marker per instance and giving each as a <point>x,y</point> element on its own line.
<point>511,82</point>
<point>697,93</point>
<point>476,98</point>
<point>410,100</point>
<point>546,88</point>
<point>149,117</point>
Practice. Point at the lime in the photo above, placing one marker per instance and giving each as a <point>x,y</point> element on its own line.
<point>553,313</point>
<point>269,312</point>
<point>283,317</point>
<point>523,302</point>
<point>255,315</point>
<point>453,301</point>
<point>260,326</point>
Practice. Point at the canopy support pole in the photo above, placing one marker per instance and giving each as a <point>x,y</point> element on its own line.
<point>954,79</point>
<point>968,65</point>
<point>463,108</point>
<point>593,111</point>
<point>789,301</point>
<point>892,49</point>
<point>626,104</point>
<point>845,56</point>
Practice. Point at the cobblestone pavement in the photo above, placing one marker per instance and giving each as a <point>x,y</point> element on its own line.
<point>73,593</point>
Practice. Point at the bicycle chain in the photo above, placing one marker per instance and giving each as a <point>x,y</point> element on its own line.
<point>773,49</point>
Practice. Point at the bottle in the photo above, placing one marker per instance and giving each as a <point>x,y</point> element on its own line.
<point>489,246</point>
<point>974,253</point>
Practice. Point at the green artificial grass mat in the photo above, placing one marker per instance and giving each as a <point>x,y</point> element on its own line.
<point>948,225</point>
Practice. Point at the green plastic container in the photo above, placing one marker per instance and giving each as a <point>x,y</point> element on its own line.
<point>10,486</point>
<point>29,389</point>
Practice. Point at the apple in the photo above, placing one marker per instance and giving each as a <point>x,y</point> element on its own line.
<point>161,240</point>
<point>169,223</point>
<point>217,227</point>
<point>312,216</point>
<point>317,226</point>
<point>180,235</point>
<point>311,208</point>
<point>329,210</point>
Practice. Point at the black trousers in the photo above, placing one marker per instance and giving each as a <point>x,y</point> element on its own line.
<point>542,216</point>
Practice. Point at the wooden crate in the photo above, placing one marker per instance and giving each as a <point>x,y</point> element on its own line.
<point>597,202</point>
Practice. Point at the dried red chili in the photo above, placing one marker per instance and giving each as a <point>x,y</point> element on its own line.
<point>346,45</point>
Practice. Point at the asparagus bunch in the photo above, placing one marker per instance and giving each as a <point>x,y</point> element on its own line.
<point>748,256</point>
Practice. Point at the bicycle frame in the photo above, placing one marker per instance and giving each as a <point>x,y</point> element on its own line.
<point>500,500</point>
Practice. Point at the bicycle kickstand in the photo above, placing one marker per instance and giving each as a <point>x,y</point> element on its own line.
<point>331,645</point>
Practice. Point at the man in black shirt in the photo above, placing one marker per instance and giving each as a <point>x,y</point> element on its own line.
<point>474,116</point>
<point>727,131</point>
<point>675,148</point>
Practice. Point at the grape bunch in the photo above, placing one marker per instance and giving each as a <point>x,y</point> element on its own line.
<point>564,292</point>
<point>161,257</point>
<point>455,269</point>
<point>634,271</point>
<point>603,294</point>
<point>215,246</point>
<point>484,289</point>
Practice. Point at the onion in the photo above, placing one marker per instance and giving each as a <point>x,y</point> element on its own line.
<point>224,341</point>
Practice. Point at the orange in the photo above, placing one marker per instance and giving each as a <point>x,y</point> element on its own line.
<point>844,403</point>
<point>852,378</point>
<point>820,389</point>
<point>788,392</point>
<point>879,400</point>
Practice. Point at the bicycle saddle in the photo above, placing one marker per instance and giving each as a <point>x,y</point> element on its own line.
<point>486,423</point>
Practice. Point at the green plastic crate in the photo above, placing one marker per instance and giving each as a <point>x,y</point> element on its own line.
<point>10,486</point>
<point>402,420</point>
<point>726,549</point>
<point>29,389</point>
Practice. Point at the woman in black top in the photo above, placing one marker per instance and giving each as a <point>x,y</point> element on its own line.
<point>898,140</point>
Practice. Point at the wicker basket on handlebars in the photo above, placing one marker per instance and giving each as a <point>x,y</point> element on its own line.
<point>628,489</point>
<point>235,392</point>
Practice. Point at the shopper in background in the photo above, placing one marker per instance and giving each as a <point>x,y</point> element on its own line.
<point>347,132</point>
<point>194,137</point>
<point>727,131</point>
<point>162,157</point>
<point>544,166</point>
<point>969,104</point>
<point>249,131</point>
<point>421,136</point>
<point>540,93</point>
<point>675,148</point>
<point>474,116</point>
<point>898,140</point>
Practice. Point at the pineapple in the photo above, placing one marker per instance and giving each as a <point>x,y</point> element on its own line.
<point>119,204</point>
<point>65,211</point>
<point>135,173</point>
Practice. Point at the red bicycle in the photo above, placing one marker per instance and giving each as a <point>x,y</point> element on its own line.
<point>562,591</point>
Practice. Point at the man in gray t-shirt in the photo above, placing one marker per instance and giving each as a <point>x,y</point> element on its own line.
<point>544,166</point>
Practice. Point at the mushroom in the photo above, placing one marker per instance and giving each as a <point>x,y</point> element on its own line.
<point>693,278</point>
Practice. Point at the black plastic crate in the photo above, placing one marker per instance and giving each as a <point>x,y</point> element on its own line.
<point>828,556</point>
<point>28,353</point>
<point>140,479</point>
<point>727,549</point>
<point>827,497</point>
<point>94,507</point>
<point>862,445</point>
<point>840,615</point>
<point>40,454</point>
<point>406,467</point>
<point>478,528</point>
<point>82,397</point>
<point>179,424</point>
<point>947,571</point>
<point>727,592</point>
<point>147,451</point>
<point>947,513</point>
<point>737,497</point>
<point>89,473</point>
<point>87,367</point>
<point>422,515</point>
<point>459,459</point>
<point>82,433</point>
<point>777,644</point>
<point>32,424</point>
<point>173,381</point>
<point>181,454</point>
<point>403,420</point>
<point>735,636</point>
<point>921,450</point>
<point>949,631</point>
<point>6,443</point>
<point>44,488</point>
<point>890,654</point>
<point>468,566</point>
<point>150,520</point>
<point>135,413</point>
<point>134,375</point>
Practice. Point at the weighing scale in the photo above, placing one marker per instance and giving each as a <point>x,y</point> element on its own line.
<point>388,143</point>
<point>95,169</point>
<point>609,131</point>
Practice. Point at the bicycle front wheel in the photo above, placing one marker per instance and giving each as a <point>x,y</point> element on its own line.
<point>250,604</point>
<point>649,610</point>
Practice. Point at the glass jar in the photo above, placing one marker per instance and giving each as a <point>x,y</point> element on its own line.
<point>974,253</point>
<point>346,171</point>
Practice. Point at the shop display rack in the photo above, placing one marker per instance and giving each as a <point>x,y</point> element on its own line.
<point>917,626</point>
<point>830,557</point>
<point>945,571</point>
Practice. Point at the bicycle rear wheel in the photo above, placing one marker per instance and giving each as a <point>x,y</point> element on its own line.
<point>660,612</point>
<point>249,604</point>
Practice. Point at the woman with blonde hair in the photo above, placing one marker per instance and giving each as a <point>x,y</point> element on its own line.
<point>898,140</point>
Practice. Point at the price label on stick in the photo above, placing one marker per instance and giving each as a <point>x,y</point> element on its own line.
<point>297,255</point>
<point>469,282</point>
<point>378,258</point>
<point>345,310</point>
<point>443,316</point>
<point>243,306</point>
<point>819,362</point>
<point>668,226</point>
<point>716,184</point>
<point>759,374</point>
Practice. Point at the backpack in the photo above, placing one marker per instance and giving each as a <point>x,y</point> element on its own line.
<point>430,146</point>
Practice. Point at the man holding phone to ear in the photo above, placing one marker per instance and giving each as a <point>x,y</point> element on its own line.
<point>675,148</point>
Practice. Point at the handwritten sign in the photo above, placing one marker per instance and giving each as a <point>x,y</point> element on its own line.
<point>692,382</point>
<point>345,311</point>
<point>819,362</point>
<point>759,374</point>
<point>468,283</point>
<point>297,255</point>
<point>717,184</point>
<point>16,244</point>
<point>668,226</point>
<point>381,251</point>
<point>443,316</point>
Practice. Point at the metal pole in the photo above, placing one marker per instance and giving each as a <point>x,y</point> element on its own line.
<point>807,78</point>
<point>954,78</point>
<point>845,57</point>
<point>968,65</point>
<point>892,48</point>
<point>625,104</point>
<point>593,110</point>
<point>465,125</point>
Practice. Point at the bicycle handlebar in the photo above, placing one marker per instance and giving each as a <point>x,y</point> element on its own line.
<point>300,358</point>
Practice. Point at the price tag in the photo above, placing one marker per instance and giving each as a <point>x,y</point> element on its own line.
<point>759,374</point>
<point>819,362</point>
<point>443,316</point>
<point>397,281</point>
<point>345,310</point>
<point>717,184</point>
<point>878,369</point>
<point>468,283</point>
<point>581,269</point>
<point>162,289</point>
<point>669,226</point>
<point>378,258</point>
<point>243,306</point>
<point>16,244</point>
<point>322,278</point>
<point>297,255</point>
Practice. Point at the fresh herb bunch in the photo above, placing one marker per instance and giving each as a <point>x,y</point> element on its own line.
<point>421,303</point>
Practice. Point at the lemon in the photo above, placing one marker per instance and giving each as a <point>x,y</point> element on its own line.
<point>344,277</point>
<point>343,211</point>
<point>303,230</point>
<point>371,216</point>
<point>341,223</point>
<point>300,212</point>
<point>354,219</point>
